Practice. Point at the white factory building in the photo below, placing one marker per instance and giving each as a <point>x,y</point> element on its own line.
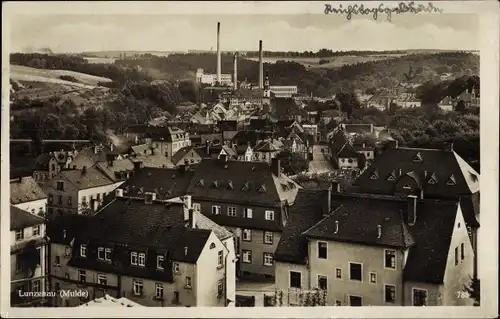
<point>284,91</point>
<point>211,79</point>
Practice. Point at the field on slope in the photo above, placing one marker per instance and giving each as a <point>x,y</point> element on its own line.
<point>28,74</point>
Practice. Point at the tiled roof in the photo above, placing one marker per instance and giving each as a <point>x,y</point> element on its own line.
<point>111,169</point>
<point>155,160</point>
<point>179,155</point>
<point>347,151</point>
<point>228,125</point>
<point>25,189</point>
<point>305,212</point>
<point>20,219</point>
<point>204,222</point>
<point>64,228</point>
<point>249,136</point>
<point>241,181</point>
<point>426,164</point>
<point>83,179</point>
<point>229,151</point>
<point>355,227</point>
<point>285,107</point>
<point>260,124</point>
<point>265,146</point>
<point>167,134</point>
<point>88,156</point>
<point>166,183</point>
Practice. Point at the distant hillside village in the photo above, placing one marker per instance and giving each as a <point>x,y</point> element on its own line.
<point>260,195</point>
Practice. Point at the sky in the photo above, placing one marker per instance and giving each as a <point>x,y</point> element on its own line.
<point>311,32</point>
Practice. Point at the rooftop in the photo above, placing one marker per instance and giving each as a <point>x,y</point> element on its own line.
<point>25,189</point>
<point>20,219</point>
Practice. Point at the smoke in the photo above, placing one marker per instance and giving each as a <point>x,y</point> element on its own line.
<point>117,142</point>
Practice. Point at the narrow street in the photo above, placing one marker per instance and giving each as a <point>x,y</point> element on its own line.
<point>320,163</point>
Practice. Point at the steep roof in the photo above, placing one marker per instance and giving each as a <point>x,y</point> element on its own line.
<point>204,222</point>
<point>250,136</point>
<point>358,128</point>
<point>64,228</point>
<point>341,146</point>
<point>20,219</point>
<point>111,169</point>
<point>166,183</point>
<point>83,179</point>
<point>306,211</point>
<point>265,146</point>
<point>88,156</point>
<point>179,155</point>
<point>25,189</point>
<point>440,172</point>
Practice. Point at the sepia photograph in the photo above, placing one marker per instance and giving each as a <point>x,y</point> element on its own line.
<point>258,155</point>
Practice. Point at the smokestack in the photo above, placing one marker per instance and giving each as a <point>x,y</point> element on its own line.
<point>261,67</point>
<point>218,55</point>
<point>235,75</point>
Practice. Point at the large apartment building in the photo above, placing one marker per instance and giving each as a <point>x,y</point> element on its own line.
<point>167,140</point>
<point>250,199</point>
<point>154,253</point>
<point>367,250</point>
<point>28,249</point>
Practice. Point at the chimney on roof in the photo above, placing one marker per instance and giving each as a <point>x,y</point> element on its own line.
<point>328,200</point>
<point>84,170</point>
<point>261,66</point>
<point>218,55</point>
<point>392,144</point>
<point>138,165</point>
<point>412,209</point>
<point>335,187</point>
<point>110,158</point>
<point>276,166</point>
<point>223,158</point>
<point>379,231</point>
<point>336,227</point>
<point>448,147</point>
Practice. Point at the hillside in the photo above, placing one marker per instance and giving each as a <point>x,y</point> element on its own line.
<point>24,73</point>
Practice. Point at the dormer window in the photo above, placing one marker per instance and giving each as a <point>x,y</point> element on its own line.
<point>107,254</point>
<point>451,181</point>
<point>159,261</point>
<point>374,175</point>
<point>246,187</point>
<point>392,176</point>
<point>200,183</point>
<point>215,184</point>
<point>230,184</point>
<point>100,253</point>
<point>133,258</point>
<point>83,250</point>
<point>406,186</point>
<point>262,189</point>
<point>433,179</point>
<point>417,158</point>
<point>140,191</point>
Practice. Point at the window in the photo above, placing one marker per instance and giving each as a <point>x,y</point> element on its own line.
<point>247,213</point>
<point>60,186</point>
<point>19,234</point>
<point>36,230</point>
<point>142,259</point>
<point>196,207</point>
<point>390,259</point>
<point>82,276</point>
<point>33,211</point>
<point>373,278</point>
<point>176,297</point>
<point>390,293</point>
<point>215,210</point>
<point>268,259</point>
<point>69,200</point>
<point>247,256</point>
<point>102,280</point>
<point>338,303</point>
<point>60,199</point>
<point>419,297</point>
<point>338,273</point>
<point>322,282</point>
<point>355,301</point>
<point>133,258</point>
<point>35,285</point>
<point>176,267</point>
<point>268,237</point>
<point>159,291</point>
<point>355,271</point>
<point>295,279</point>
<point>456,256</point>
<point>220,258</point>
<point>51,198</point>
<point>247,234</point>
<point>57,260</point>
<point>107,254</point>
<point>269,214</point>
<point>322,250</point>
<point>40,211</point>
<point>83,250</point>
<point>462,251</point>
<point>231,211</point>
<point>57,286</point>
<point>220,288</point>
<point>100,253</point>
<point>159,262</point>
<point>138,288</point>
<point>188,282</point>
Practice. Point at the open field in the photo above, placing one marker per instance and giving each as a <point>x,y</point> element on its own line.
<point>100,60</point>
<point>24,73</point>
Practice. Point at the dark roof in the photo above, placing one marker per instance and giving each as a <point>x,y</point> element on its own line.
<point>86,178</point>
<point>179,155</point>
<point>347,151</point>
<point>250,136</point>
<point>25,189</point>
<point>20,219</point>
<point>283,108</point>
<point>355,227</point>
<point>166,183</point>
<point>341,146</point>
<point>228,125</point>
<point>117,169</point>
<point>260,125</point>
<point>358,128</point>
<point>167,134</point>
<point>265,146</point>
<point>64,228</point>
<point>305,212</point>
<point>425,164</point>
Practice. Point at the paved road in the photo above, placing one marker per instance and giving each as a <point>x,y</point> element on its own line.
<point>320,163</point>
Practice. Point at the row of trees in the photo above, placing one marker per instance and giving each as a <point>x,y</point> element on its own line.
<point>322,53</point>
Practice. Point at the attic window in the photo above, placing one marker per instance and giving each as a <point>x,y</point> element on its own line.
<point>417,158</point>
<point>215,184</point>
<point>392,176</point>
<point>285,187</point>
<point>140,191</point>
<point>374,175</point>
<point>230,184</point>
<point>406,186</point>
<point>291,185</point>
<point>433,179</point>
<point>212,245</point>
<point>473,177</point>
<point>200,183</point>
<point>246,187</point>
<point>451,181</point>
<point>262,189</point>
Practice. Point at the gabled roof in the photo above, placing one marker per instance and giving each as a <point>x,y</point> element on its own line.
<point>25,189</point>
<point>20,219</point>
<point>88,156</point>
<point>112,169</point>
<point>250,136</point>
<point>265,146</point>
<point>166,183</point>
<point>84,179</point>
<point>306,211</point>
<point>347,151</point>
<point>179,155</point>
<point>358,128</point>
<point>439,164</point>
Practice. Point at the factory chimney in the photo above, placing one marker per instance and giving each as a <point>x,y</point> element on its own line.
<point>218,55</point>
<point>235,75</point>
<point>261,67</point>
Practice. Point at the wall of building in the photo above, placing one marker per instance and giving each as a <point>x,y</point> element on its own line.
<point>434,293</point>
<point>34,207</point>
<point>372,258</point>
<point>344,163</point>
<point>92,193</point>
<point>458,276</point>
<point>230,244</point>
<point>283,280</point>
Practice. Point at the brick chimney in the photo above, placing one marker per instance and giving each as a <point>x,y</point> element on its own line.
<point>448,147</point>
<point>276,166</point>
<point>328,201</point>
<point>412,209</point>
<point>392,144</point>
<point>335,187</point>
<point>138,165</point>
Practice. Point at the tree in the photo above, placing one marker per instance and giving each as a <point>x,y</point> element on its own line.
<point>292,163</point>
<point>348,102</point>
<point>460,107</point>
<point>474,290</point>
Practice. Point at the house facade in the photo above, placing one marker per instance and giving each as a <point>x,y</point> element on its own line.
<point>49,164</point>
<point>28,252</point>
<point>168,140</point>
